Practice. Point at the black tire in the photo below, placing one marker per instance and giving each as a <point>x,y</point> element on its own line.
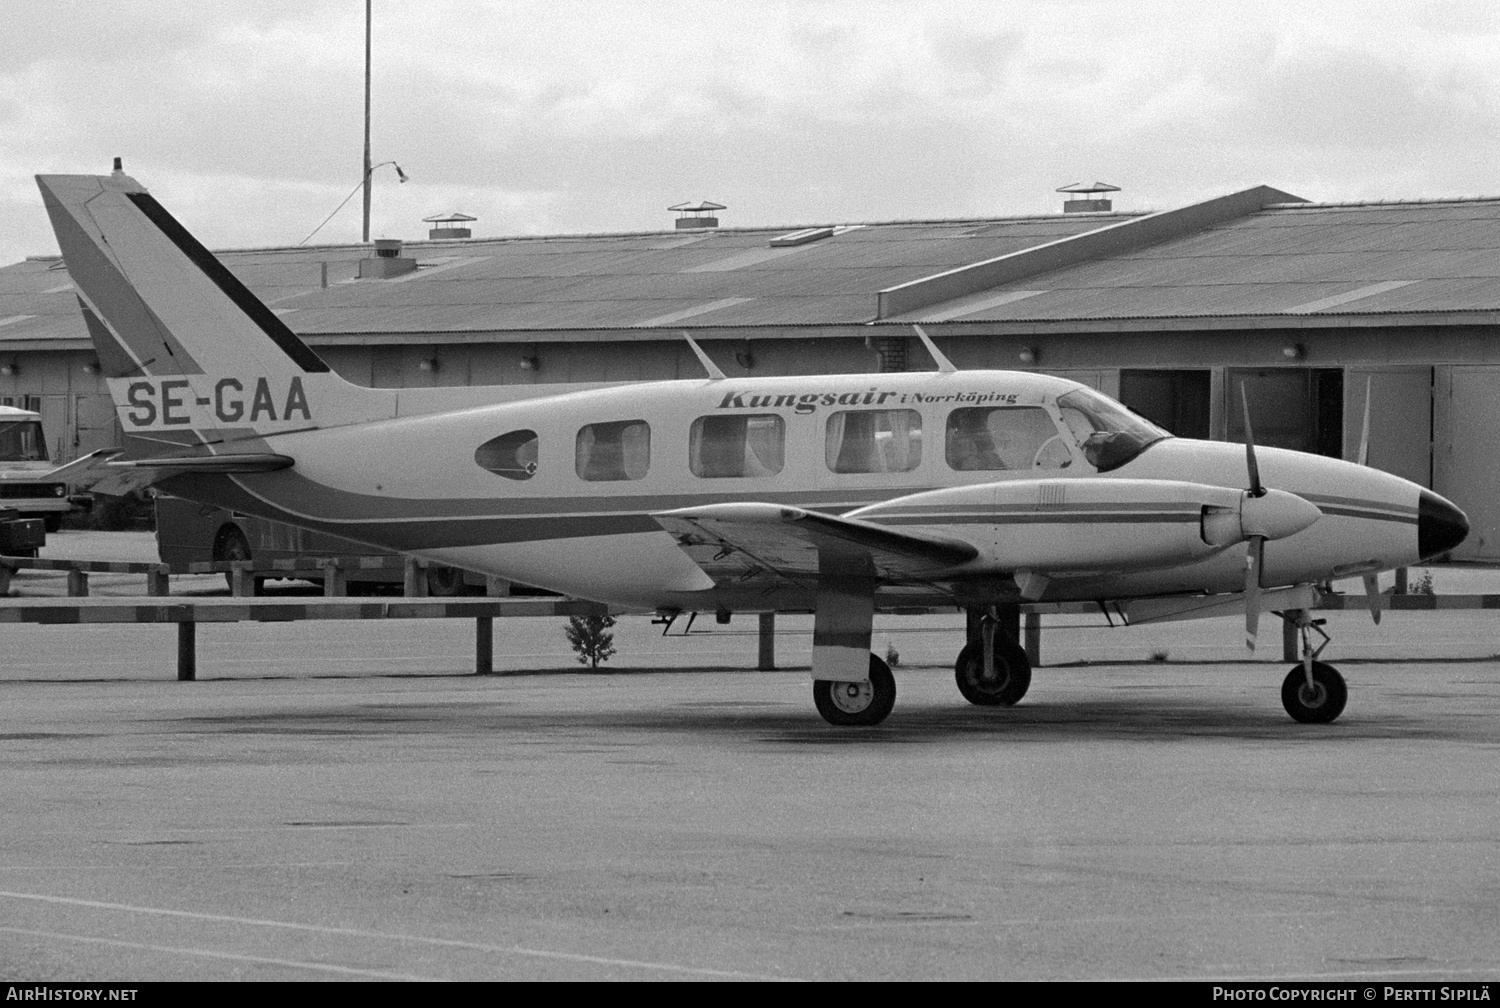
<point>1323,702</point>
<point>445,581</point>
<point>1012,673</point>
<point>52,521</point>
<point>232,545</point>
<point>850,704</point>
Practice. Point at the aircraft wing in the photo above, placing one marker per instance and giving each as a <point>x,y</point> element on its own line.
<point>734,542</point>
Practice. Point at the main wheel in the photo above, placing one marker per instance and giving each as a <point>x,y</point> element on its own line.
<point>851,703</point>
<point>233,545</point>
<point>1319,703</point>
<point>1012,676</point>
<point>445,581</point>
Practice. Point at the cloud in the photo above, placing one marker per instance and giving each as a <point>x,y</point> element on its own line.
<point>579,116</point>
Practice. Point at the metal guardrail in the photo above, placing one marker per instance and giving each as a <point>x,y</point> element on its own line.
<point>188,613</point>
<point>244,575</point>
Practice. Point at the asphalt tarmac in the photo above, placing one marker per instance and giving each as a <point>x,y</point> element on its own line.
<point>341,801</point>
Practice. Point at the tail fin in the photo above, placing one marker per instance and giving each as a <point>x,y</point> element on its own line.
<point>190,354</point>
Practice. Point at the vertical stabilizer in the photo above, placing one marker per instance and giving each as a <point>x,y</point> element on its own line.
<point>190,355</point>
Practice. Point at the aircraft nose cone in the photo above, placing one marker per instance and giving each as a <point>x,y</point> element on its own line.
<point>1440,525</point>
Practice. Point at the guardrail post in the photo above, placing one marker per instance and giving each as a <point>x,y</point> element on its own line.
<point>335,581</point>
<point>766,658</point>
<point>187,651</point>
<point>484,645</point>
<point>415,581</point>
<point>157,582</point>
<point>78,584</point>
<point>241,578</point>
<point>1033,632</point>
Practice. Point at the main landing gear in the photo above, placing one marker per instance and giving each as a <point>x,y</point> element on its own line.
<point>1313,691</point>
<point>992,671</point>
<point>854,704</point>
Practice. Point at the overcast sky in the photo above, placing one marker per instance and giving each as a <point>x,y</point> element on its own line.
<point>559,116</point>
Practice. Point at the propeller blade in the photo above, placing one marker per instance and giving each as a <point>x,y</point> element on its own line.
<point>1374,596</point>
<point>1256,489</point>
<point>1364,434</point>
<point>1254,549</point>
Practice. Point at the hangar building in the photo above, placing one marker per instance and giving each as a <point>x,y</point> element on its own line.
<point>1304,303</point>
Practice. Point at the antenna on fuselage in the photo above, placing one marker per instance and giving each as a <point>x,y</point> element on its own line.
<point>708,365</point>
<point>945,366</point>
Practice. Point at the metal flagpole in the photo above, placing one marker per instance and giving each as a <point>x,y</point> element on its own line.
<point>368,168</point>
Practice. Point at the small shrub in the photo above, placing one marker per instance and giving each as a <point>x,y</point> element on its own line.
<point>892,656</point>
<point>1422,585</point>
<point>591,639</point>
<point>1159,655</point>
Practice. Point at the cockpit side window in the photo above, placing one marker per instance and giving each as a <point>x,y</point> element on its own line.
<point>1109,434</point>
<point>987,438</point>
<point>620,450</point>
<point>512,455</point>
<point>737,445</point>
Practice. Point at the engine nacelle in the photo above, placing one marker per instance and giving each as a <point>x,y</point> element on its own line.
<point>1085,526</point>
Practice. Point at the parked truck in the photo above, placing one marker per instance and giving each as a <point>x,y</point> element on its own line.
<point>188,532</point>
<point>25,471</point>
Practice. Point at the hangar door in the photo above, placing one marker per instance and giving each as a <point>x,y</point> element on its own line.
<point>1297,408</point>
<point>1466,452</point>
<point>1400,419</point>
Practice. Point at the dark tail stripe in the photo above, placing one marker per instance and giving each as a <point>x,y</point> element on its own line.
<point>227,282</point>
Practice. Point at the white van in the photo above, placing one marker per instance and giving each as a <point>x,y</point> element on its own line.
<point>24,469</point>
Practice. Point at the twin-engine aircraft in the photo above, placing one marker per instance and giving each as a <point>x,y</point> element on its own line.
<point>837,495</point>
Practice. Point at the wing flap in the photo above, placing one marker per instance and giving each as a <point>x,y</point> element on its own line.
<point>736,542</point>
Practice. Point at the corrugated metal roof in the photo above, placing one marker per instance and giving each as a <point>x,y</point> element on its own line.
<point>1446,256</point>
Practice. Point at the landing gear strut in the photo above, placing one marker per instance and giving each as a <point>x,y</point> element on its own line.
<point>855,704</point>
<point>999,678</point>
<point>1313,692</point>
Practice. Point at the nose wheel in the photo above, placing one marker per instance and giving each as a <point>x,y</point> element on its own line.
<point>856,704</point>
<point>1313,692</point>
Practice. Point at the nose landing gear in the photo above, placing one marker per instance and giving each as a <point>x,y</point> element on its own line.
<point>1313,692</point>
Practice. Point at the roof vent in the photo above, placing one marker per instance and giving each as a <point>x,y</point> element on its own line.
<point>691,216</point>
<point>388,261</point>
<point>452,225</point>
<point>1087,197</point>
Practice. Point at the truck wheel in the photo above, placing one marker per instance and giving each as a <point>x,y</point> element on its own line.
<point>232,545</point>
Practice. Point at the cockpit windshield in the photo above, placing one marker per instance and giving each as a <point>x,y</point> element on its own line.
<point>1109,434</point>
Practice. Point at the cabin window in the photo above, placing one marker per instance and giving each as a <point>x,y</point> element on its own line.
<point>1004,437</point>
<point>874,441</point>
<point>737,446</point>
<point>620,450</point>
<point>510,455</point>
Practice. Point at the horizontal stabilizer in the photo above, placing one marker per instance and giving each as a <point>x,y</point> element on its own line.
<point>736,541</point>
<point>245,463</point>
<point>103,472</point>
